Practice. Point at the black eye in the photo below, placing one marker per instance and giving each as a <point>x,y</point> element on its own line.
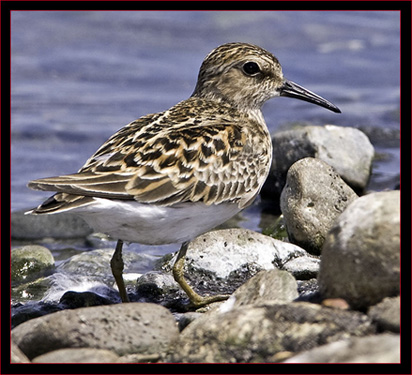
<point>251,68</point>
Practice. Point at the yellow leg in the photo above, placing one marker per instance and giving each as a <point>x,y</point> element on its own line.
<point>195,299</point>
<point>117,266</point>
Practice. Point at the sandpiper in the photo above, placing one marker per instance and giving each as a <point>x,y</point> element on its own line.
<point>171,176</point>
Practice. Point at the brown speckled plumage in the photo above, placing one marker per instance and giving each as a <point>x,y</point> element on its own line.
<point>170,176</point>
<point>210,148</point>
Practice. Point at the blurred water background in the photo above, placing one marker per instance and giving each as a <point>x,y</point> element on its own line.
<point>79,76</point>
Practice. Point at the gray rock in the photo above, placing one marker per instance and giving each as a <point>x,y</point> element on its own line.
<point>30,262</point>
<point>124,329</point>
<point>157,284</point>
<point>387,314</point>
<point>303,268</point>
<point>383,348</point>
<point>313,197</point>
<point>256,333</point>
<point>53,299</point>
<point>16,355</point>
<point>361,255</point>
<point>78,355</point>
<point>272,286</point>
<point>222,252</point>
<point>97,262</point>
<point>346,149</point>
<point>231,256</point>
<point>161,287</point>
<point>62,225</point>
<point>95,265</point>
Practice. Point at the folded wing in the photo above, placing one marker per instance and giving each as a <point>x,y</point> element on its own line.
<point>213,161</point>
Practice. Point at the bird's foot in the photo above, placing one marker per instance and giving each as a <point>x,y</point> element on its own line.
<point>197,301</point>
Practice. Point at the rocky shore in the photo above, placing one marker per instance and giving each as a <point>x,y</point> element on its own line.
<point>328,293</point>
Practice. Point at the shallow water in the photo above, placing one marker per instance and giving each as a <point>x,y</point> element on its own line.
<point>77,77</point>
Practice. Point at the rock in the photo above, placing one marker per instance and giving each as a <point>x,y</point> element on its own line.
<point>30,262</point>
<point>31,310</point>
<point>75,300</point>
<point>386,162</point>
<point>256,333</point>
<point>153,284</point>
<point>32,290</point>
<point>348,150</point>
<point>361,255</point>
<point>62,225</point>
<point>139,358</point>
<point>383,136</point>
<point>308,291</point>
<point>387,314</point>
<point>96,265</point>
<point>97,262</point>
<point>271,286</point>
<point>16,355</point>
<point>129,328</point>
<point>222,260</point>
<point>78,355</point>
<point>313,197</point>
<point>69,300</point>
<point>160,287</point>
<point>383,348</point>
<point>185,319</point>
<point>303,268</point>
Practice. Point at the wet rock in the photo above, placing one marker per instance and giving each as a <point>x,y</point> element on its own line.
<point>308,291</point>
<point>32,290</point>
<point>222,260</point>
<point>31,310</point>
<point>30,262</point>
<point>97,296</point>
<point>361,255</point>
<point>256,333</point>
<point>387,314</point>
<point>81,355</point>
<point>63,225</point>
<point>348,150</point>
<point>75,300</point>
<point>313,197</point>
<point>272,286</point>
<point>123,328</point>
<point>96,265</point>
<point>383,348</point>
<point>155,284</point>
<point>97,262</point>
<point>160,287</point>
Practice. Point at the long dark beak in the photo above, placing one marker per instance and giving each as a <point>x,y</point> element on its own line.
<point>293,90</point>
